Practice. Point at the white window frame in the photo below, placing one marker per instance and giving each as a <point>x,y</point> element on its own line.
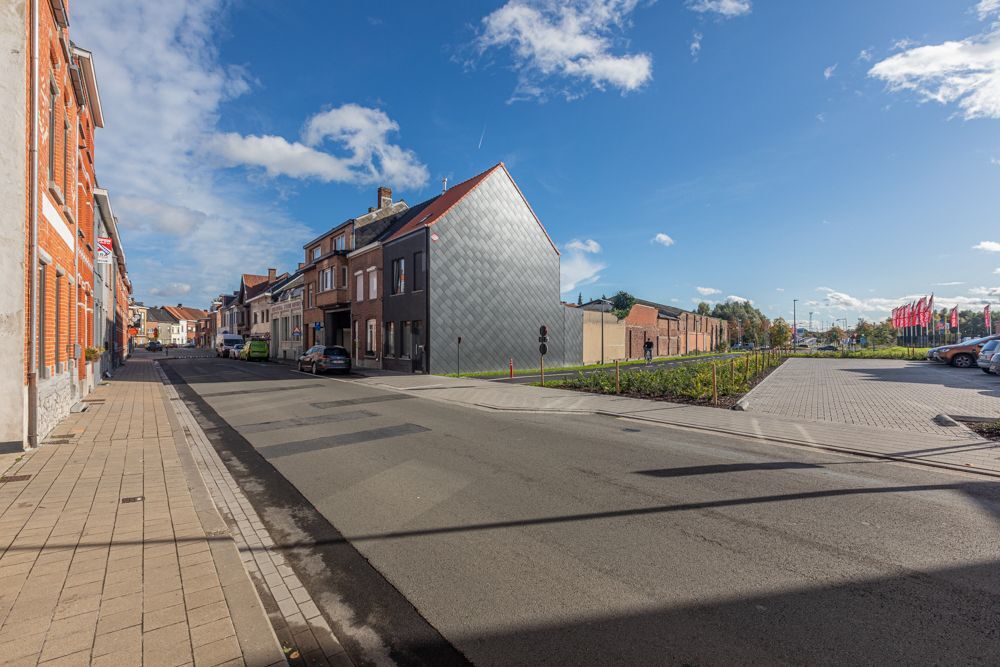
<point>360,286</point>
<point>372,283</point>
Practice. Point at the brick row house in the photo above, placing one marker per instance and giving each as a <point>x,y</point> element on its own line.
<point>672,331</point>
<point>65,311</point>
<point>187,319</point>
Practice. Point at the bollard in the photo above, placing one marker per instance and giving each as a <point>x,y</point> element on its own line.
<point>541,367</point>
<point>715,388</point>
<point>618,386</point>
<point>512,368</point>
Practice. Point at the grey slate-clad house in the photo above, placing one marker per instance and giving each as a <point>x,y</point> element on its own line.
<point>475,263</point>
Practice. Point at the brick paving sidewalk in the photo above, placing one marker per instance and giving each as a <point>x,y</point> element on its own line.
<point>87,577</point>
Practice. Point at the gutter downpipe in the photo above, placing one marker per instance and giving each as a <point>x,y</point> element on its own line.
<point>33,223</point>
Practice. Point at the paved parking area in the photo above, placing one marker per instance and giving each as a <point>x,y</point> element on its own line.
<point>878,393</point>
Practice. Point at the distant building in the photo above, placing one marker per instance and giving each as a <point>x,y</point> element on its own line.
<point>187,320</point>
<point>672,331</point>
<point>286,317</point>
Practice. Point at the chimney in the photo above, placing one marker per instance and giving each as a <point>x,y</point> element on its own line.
<point>271,273</point>
<point>444,185</point>
<point>384,196</point>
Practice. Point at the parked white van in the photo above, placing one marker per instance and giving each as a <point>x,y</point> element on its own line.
<point>224,343</point>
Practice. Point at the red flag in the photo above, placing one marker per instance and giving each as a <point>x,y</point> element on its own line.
<point>986,317</point>
<point>930,310</point>
<point>954,317</point>
<point>918,315</point>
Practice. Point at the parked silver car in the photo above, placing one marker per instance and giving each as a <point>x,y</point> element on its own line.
<point>985,359</point>
<point>995,364</point>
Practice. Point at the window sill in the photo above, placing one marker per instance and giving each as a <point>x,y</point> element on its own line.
<point>69,216</point>
<point>57,193</point>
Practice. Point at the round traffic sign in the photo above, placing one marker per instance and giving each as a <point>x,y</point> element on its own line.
<point>543,330</point>
<point>543,348</point>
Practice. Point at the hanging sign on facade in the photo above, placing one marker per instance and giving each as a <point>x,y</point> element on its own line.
<point>104,250</point>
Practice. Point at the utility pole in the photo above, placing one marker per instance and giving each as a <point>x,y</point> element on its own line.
<point>810,321</point>
<point>795,326</point>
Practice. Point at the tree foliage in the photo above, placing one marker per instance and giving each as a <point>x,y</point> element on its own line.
<point>746,323</point>
<point>622,303</point>
<point>780,333</point>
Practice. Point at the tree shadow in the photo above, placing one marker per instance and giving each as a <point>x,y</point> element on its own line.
<point>724,468</point>
<point>919,372</point>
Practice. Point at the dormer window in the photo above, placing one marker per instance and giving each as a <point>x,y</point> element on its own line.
<point>314,254</point>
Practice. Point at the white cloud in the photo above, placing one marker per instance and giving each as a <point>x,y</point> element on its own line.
<point>821,117</point>
<point>903,44</point>
<point>949,284</point>
<point>779,289</point>
<point>577,266</point>
<point>157,217</point>
<point>726,8</point>
<point>696,44</point>
<point>662,239</point>
<point>993,160</point>
<point>732,298</point>
<point>988,246</point>
<point>987,7</point>
<point>572,40</point>
<point>162,88</point>
<point>590,245</point>
<point>170,289</point>
<point>707,291</point>
<point>828,72</point>
<point>985,291</point>
<point>965,72</point>
<point>996,271</point>
<point>841,301</point>
<point>865,55</point>
<point>361,134</point>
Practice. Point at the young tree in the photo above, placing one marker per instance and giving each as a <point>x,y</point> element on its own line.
<point>780,333</point>
<point>834,335</point>
<point>622,303</point>
<point>579,299</point>
<point>704,309</point>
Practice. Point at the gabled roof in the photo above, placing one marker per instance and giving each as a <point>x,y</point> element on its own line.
<point>383,229</point>
<point>251,285</point>
<point>185,313</point>
<point>160,315</point>
<point>436,208</point>
<point>667,312</point>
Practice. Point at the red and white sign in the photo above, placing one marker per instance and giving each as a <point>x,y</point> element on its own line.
<point>987,317</point>
<point>104,250</point>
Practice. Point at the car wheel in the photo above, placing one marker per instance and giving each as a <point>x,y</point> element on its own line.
<point>962,361</point>
<point>985,370</point>
<point>315,369</point>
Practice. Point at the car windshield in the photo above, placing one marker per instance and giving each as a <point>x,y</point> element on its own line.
<point>991,345</point>
<point>335,351</point>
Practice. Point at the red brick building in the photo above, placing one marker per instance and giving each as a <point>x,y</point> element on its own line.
<point>672,331</point>
<point>50,109</point>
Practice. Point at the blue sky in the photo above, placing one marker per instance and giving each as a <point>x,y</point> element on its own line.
<point>844,154</point>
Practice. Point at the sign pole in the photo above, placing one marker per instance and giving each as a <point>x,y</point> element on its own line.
<point>541,367</point>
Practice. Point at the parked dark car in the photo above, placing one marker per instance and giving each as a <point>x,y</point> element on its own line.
<point>986,355</point>
<point>154,346</point>
<point>321,358</point>
<point>827,348</point>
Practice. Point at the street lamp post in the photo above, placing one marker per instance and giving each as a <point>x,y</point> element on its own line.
<point>795,326</point>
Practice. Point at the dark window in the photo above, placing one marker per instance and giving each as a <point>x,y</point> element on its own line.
<point>66,155</point>
<point>53,93</point>
<point>58,322</point>
<point>389,340</point>
<point>419,271</point>
<point>398,276</point>
<point>407,333</point>
<point>40,341</point>
<point>335,351</point>
<point>343,276</point>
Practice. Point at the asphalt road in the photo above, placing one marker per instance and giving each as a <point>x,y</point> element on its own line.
<point>562,375</point>
<point>544,539</point>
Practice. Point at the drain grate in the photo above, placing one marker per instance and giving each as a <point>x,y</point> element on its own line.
<point>14,478</point>
<point>133,499</point>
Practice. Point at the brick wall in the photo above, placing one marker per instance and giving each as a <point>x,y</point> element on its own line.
<point>368,308</point>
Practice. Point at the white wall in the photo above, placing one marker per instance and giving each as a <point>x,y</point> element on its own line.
<point>13,156</point>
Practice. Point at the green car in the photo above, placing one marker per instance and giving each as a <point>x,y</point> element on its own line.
<point>255,349</point>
